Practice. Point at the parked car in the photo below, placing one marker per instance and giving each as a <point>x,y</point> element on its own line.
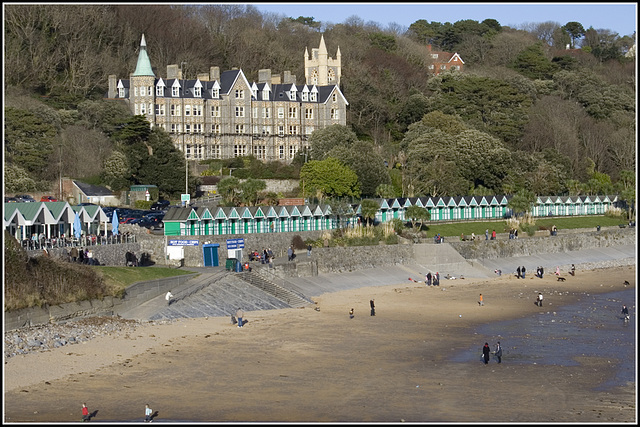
<point>48,199</point>
<point>87,204</point>
<point>160,205</point>
<point>25,198</point>
<point>10,200</point>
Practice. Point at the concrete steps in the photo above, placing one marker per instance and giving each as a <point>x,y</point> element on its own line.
<point>286,295</point>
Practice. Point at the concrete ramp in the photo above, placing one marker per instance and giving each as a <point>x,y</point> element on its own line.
<point>444,259</point>
<point>612,255</point>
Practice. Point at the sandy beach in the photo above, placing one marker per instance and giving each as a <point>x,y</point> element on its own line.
<point>315,364</point>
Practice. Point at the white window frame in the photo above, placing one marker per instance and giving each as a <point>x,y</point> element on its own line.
<point>159,90</point>
<point>175,91</point>
<point>281,112</point>
<point>308,113</point>
<point>293,113</point>
<point>239,111</point>
<point>239,93</point>
<point>187,110</point>
<point>215,111</point>
<point>266,113</point>
<point>239,129</point>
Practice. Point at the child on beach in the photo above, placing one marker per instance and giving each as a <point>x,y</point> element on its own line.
<point>147,414</point>
<point>85,413</point>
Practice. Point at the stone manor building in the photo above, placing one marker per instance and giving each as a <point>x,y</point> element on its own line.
<point>223,115</point>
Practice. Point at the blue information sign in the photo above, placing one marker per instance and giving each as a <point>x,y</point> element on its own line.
<point>183,242</point>
<point>235,243</point>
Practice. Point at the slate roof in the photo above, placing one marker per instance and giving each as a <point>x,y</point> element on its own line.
<point>93,190</point>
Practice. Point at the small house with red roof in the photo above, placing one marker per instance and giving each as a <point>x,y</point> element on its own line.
<point>440,61</point>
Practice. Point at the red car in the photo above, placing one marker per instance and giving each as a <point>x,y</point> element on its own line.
<point>48,199</point>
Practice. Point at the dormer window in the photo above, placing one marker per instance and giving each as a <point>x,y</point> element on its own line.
<point>292,93</point>
<point>215,90</point>
<point>175,89</point>
<point>159,90</point>
<point>197,89</point>
<point>265,92</point>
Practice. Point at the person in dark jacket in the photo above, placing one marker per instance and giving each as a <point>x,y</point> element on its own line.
<point>373,308</point>
<point>486,351</point>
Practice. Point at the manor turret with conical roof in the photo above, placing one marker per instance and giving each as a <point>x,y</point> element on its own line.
<point>221,115</point>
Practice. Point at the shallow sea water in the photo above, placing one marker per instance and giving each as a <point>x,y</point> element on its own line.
<point>593,326</point>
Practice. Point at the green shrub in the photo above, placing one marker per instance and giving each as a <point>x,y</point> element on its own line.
<point>143,204</point>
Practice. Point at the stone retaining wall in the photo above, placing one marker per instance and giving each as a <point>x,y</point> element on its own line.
<point>563,242</point>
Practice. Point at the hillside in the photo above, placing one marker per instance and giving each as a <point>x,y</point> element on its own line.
<point>527,113</point>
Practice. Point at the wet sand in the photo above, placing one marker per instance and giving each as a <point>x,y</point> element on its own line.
<point>308,365</point>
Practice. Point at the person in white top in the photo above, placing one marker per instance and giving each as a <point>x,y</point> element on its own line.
<point>539,301</point>
<point>147,414</point>
<point>168,297</point>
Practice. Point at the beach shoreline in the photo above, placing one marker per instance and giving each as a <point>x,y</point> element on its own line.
<point>315,364</point>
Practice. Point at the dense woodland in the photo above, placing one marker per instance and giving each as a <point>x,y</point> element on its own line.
<point>525,114</point>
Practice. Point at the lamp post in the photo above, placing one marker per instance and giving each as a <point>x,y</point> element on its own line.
<point>186,159</point>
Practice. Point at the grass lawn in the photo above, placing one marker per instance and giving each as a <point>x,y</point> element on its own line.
<point>121,277</point>
<point>455,229</point>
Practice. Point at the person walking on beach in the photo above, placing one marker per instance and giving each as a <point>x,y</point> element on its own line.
<point>486,351</point>
<point>239,315</point>
<point>147,414</point>
<point>290,253</point>
<point>351,314</point>
<point>498,352</point>
<point>573,270</point>
<point>518,272</point>
<point>309,249</point>
<point>85,413</point>
<point>522,270</point>
<point>168,297</point>
<point>373,308</point>
<point>481,302</point>
<point>625,312</point>
<point>428,279</point>
<point>539,300</point>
